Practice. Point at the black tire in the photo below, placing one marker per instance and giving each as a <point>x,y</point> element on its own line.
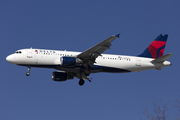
<point>81,82</point>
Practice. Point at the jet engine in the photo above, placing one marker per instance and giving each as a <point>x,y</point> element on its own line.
<point>61,76</point>
<point>70,61</point>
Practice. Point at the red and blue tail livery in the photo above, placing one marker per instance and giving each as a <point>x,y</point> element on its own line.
<point>156,48</point>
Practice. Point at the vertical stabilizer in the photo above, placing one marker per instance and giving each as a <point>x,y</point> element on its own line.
<point>156,48</point>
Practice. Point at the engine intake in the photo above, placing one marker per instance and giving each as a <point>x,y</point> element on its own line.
<point>70,61</point>
<point>61,76</point>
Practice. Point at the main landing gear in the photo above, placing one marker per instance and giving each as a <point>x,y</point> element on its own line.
<point>28,73</point>
<point>81,82</point>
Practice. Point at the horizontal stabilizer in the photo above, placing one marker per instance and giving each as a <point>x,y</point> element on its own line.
<point>162,58</point>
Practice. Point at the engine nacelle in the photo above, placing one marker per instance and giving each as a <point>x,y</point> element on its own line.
<point>61,76</point>
<point>70,61</point>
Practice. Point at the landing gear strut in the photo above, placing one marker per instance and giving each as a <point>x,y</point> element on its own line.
<point>28,73</point>
<point>81,82</point>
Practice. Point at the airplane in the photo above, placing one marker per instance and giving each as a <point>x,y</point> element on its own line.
<point>71,64</point>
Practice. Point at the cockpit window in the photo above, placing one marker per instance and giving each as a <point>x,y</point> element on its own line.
<point>18,52</point>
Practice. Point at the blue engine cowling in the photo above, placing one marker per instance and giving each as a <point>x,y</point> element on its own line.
<point>68,61</point>
<point>61,76</point>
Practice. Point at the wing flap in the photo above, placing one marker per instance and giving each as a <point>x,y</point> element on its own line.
<point>95,51</point>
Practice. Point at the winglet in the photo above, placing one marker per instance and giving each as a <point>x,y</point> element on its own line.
<point>118,35</point>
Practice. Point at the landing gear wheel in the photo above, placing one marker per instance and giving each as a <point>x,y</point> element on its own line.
<point>81,82</point>
<point>28,73</point>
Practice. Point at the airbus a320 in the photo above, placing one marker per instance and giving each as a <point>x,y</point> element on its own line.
<point>71,64</point>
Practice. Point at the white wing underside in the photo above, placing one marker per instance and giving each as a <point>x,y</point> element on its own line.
<point>88,57</point>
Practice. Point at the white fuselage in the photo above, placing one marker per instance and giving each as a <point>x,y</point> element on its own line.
<point>105,63</point>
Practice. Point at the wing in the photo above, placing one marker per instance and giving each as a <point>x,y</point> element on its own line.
<point>89,56</point>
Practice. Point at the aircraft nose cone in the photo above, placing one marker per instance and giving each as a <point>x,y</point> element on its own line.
<point>9,58</point>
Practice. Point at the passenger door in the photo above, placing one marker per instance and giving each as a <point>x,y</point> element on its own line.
<point>29,53</point>
<point>138,61</point>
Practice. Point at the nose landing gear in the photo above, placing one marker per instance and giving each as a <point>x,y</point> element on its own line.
<point>28,73</point>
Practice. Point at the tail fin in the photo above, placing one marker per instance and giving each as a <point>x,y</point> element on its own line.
<point>156,48</point>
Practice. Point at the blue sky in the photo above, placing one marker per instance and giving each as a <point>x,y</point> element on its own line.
<point>77,26</point>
